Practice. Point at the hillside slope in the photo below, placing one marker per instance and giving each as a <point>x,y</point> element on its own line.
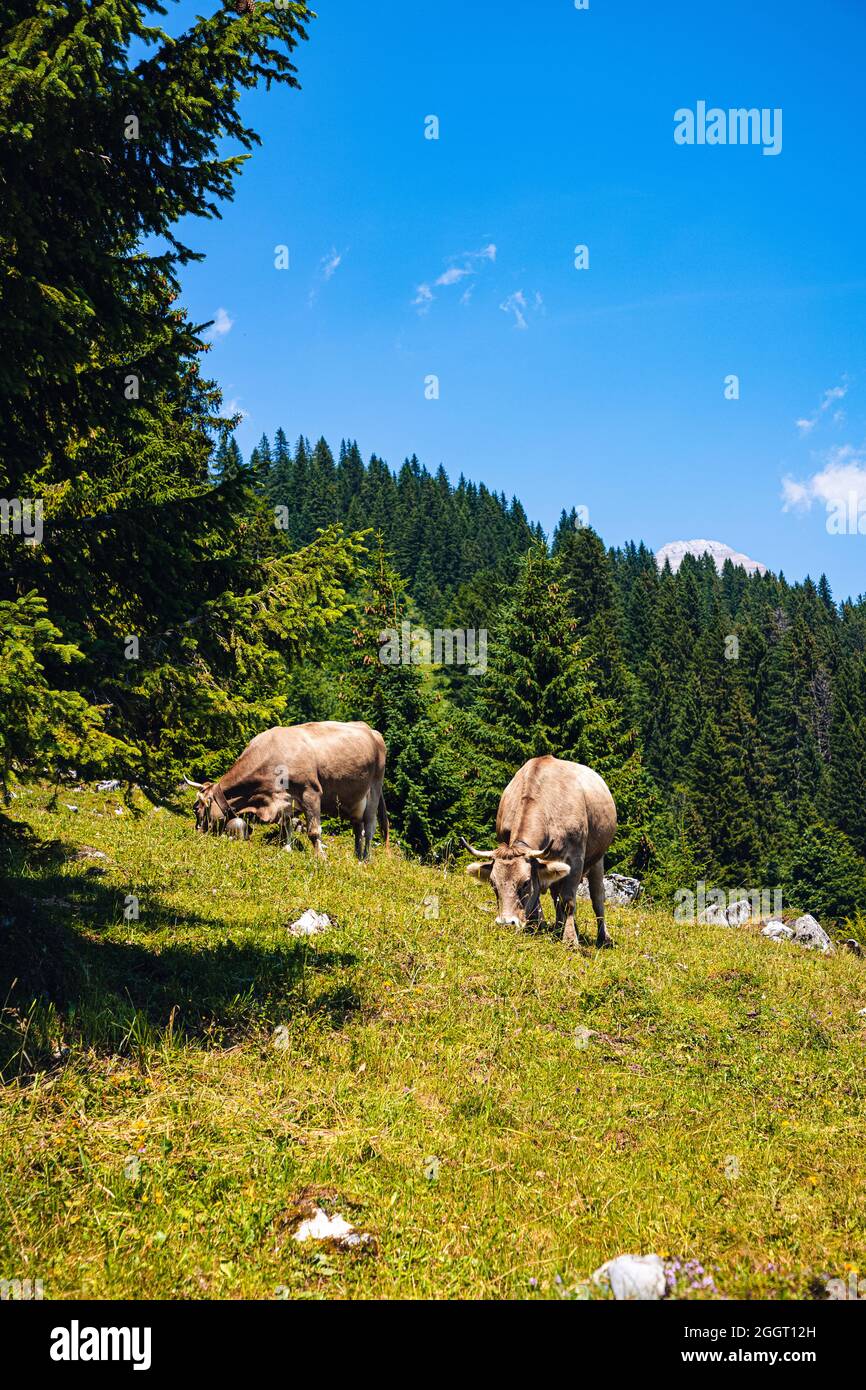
<point>432,1079</point>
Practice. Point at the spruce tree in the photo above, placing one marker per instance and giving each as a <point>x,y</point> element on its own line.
<point>228,464</point>
<point>537,696</point>
<point>350,474</point>
<point>845,797</point>
<point>110,134</point>
<point>261,466</point>
<point>322,503</point>
<point>425,776</point>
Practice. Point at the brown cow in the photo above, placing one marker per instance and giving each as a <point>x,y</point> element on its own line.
<point>555,821</point>
<point>331,768</point>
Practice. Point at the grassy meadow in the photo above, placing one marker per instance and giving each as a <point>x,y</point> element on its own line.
<point>500,1114</point>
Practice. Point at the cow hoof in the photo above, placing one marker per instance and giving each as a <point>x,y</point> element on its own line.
<point>606,944</point>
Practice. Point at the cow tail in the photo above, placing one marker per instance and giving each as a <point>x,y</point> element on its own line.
<point>382,818</point>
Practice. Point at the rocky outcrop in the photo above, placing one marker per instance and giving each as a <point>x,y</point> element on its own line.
<point>731,916</point>
<point>618,889</point>
<point>805,931</point>
<point>809,933</point>
<point>777,931</point>
<point>675,552</point>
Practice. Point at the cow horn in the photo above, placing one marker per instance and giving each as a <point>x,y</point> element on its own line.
<point>479,853</point>
<point>198,785</point>
<point>539,853</point>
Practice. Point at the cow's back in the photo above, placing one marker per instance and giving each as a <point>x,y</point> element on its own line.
<point>345,751</point>
<point>566,803</point>
<point>339,760</point>
<point>349,760</point>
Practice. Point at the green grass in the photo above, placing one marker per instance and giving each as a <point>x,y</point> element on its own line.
<point>155,1141</point>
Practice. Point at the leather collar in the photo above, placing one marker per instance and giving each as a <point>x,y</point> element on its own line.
<point>219,797</point>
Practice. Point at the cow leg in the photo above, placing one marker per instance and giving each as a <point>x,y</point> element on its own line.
<point>565,906</point>
<point>560,901</point>
<point>370,813</point>
<point>312,804</point>
<point>358,827</point>
<point>569,933</point>
<point>557,900</point>
<point>595,877</point>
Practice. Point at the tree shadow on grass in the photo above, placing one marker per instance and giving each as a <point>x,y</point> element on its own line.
<point>62,983</point>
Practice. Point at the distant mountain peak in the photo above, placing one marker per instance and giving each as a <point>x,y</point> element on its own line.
<point>676,551</point>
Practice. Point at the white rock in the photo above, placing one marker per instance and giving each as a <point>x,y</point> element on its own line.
<point>633,1277</point>
<point>320,1226</point>
<point>809,933</point>
<point>310,923</point>
<point>110,786</point>
<point>717,915</point>
<point>356,1238</point>
<point>618,889</point>
<point>777,931</point>
<point>738,912</point>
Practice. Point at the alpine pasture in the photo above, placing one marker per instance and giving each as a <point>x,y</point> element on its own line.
<point>499,1113</point>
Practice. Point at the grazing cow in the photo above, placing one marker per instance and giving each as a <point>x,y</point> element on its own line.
<point>554,823</point>
<point>330,768</point>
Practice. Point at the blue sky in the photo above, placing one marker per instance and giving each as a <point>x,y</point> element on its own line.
<point>602,387</point>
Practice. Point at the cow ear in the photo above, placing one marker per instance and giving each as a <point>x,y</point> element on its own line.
<point>480,869</point>
<point>552,871</point>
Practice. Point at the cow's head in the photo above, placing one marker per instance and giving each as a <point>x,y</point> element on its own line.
<point>518,876</point>
<point>210,818</point>
<point>203,806</point>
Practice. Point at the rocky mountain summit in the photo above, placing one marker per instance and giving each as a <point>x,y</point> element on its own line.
<point>676,551</point>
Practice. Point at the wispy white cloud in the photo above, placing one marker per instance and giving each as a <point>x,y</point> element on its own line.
<point>451,277</point>
<point>458,268</point>
<point>423,298</point>
<point>234,407</point>
<point>518,305</point>
<point>222,324</point>
<point>327,269</point>
<point>515,304</point>
<point>835,393</point>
